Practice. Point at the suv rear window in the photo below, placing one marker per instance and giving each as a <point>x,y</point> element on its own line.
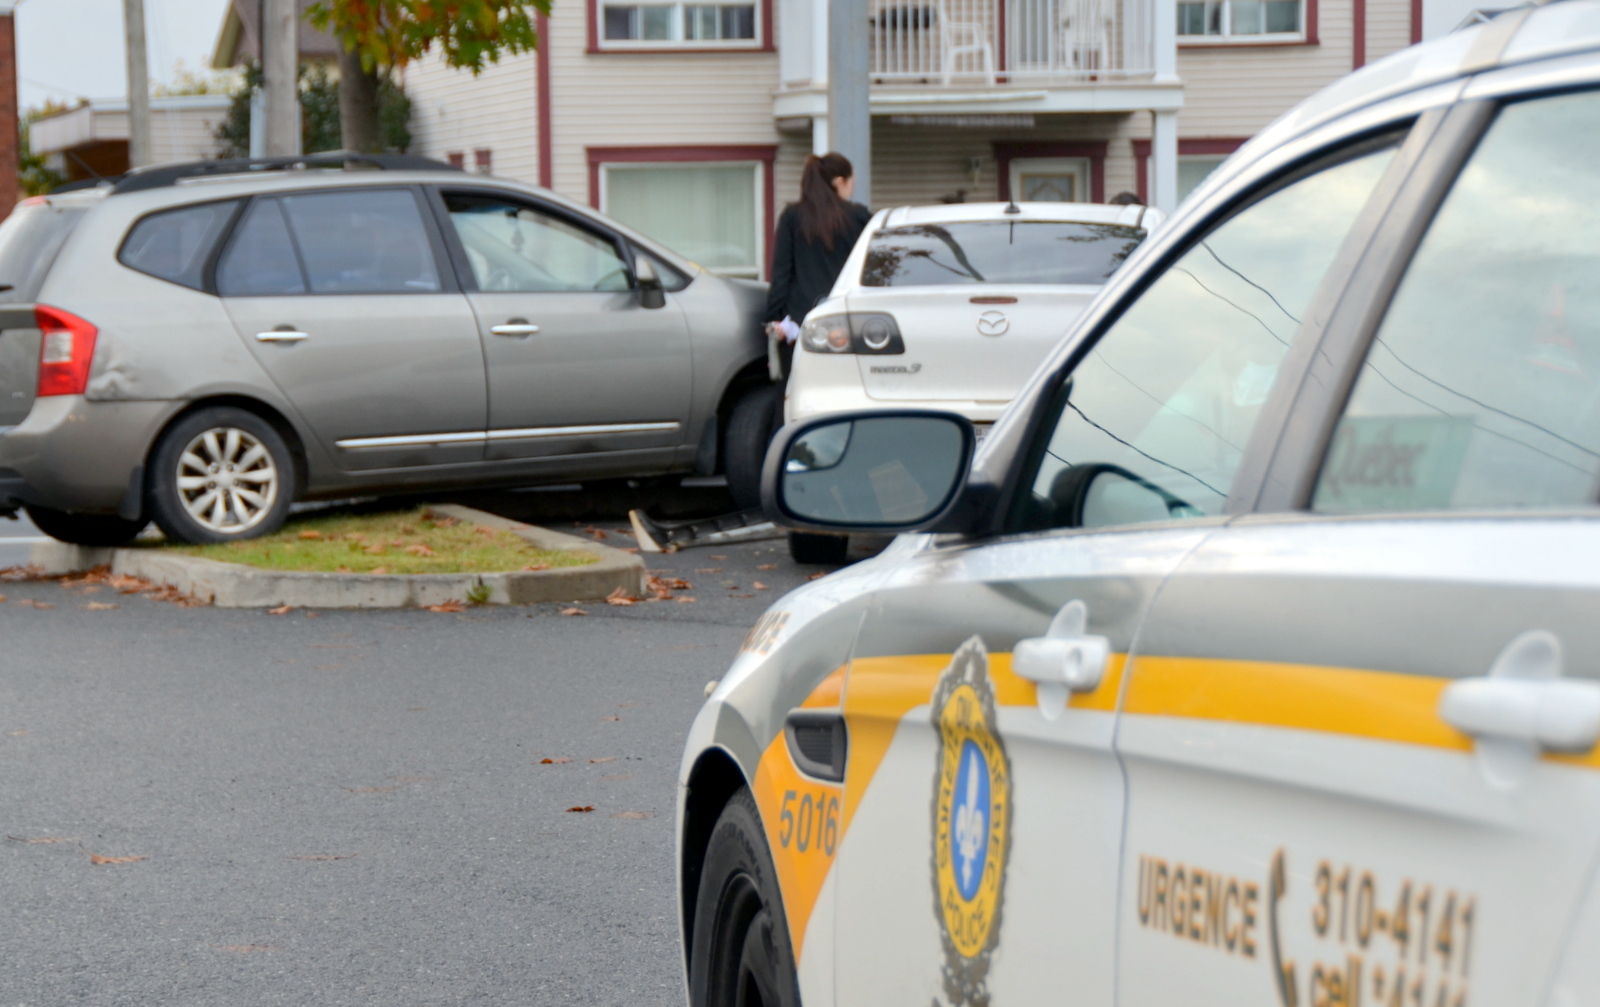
<point>997,251</point>
<point>175,244</point>
<point>29,240</point>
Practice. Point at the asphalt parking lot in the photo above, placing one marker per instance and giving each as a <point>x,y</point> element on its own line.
<point>352,807</point>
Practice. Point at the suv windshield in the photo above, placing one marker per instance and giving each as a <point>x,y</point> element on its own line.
<point>29,241</point>
<point>997,251</point>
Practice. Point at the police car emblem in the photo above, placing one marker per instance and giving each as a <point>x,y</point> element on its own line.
<point>971,823</point>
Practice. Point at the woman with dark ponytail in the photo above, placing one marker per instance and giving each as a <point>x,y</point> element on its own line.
<point>814,239</point>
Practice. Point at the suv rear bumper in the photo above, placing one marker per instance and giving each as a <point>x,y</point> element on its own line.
<point>76,455</point>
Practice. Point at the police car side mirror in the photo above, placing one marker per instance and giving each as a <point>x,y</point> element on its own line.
<point>651,293</point>
<point>883,471</point>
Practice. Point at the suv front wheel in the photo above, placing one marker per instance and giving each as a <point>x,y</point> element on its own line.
<point>220,475</point>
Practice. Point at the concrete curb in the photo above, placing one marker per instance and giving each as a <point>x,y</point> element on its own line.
<point>231,585</point>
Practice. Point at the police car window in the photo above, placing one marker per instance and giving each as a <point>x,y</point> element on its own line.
<point>514,248</point>
<point>1156,417</point>
<point>1482,386</point>
<point>365,241</point>
<point>174,244</point>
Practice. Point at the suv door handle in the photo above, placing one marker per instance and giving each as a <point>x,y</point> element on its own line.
<point>515,327</point>
<point>1523,706</point>
<point>281,336</point>
<point>1063,661</point>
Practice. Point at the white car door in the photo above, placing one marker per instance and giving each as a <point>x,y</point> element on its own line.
<point>1359,738</point>
<point>984,806</point>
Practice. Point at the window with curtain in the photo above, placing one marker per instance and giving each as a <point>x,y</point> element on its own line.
<point>686,24</point>
<point>706,212</point>
<point>1240,20</point>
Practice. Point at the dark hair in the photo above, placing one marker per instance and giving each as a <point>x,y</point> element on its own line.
<point>821,211</point>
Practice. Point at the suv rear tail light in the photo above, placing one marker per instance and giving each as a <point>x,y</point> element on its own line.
<point>65,352</point>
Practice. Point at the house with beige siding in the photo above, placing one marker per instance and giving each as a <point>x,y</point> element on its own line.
<point>690,120</point>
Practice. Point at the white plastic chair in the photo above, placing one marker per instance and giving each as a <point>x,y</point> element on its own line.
<point>963,38</point>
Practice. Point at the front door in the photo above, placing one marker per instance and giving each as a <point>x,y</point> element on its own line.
<point>1050,179</point>
<point>1322,809</point>
<point>575,364</point>
<point>984,806</point>
<point>340,298</point>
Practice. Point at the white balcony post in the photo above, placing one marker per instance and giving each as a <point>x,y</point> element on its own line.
<point>819,135</point>
<point>1164,40</point>
<point>1164,161</point>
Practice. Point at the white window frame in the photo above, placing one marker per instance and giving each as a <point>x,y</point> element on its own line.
<point>678,41</point>
<point>1079,168</point>
<point>753,272</point>
<point>1228,38</point>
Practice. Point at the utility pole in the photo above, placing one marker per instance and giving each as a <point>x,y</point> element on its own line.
<point>849,73</point>
<point>138,84</point>
<point>280,64</point>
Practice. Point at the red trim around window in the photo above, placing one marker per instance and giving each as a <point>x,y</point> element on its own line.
<point>1198,145</point>
<point>1310,39</point>
<point>1358,34</point>
<point>767,154</point>
<point>1006,151</point>
<point>546,169</point>
<point>1416,21</point>
<point>763,40</point>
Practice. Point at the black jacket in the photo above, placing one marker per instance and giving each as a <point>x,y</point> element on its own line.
<point>803,272</point>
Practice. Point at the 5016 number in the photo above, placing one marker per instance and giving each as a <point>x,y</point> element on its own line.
<point>809,822</point>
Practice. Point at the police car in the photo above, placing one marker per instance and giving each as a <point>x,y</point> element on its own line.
<point>1255,657</point>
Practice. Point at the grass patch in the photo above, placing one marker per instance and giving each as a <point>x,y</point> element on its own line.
<point>414,541</point>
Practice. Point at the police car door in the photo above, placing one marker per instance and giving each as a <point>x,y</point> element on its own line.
<point>1359,738</point>
<point>984,805</point>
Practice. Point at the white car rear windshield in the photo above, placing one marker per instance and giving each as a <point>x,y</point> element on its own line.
<point>997,251</point>
<point>29,241</point>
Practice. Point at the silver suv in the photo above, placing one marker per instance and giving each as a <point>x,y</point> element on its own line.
<point>203,344</point>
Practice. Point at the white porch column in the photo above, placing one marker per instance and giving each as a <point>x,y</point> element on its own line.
<point>819,135</point>
<point>1164,161</point>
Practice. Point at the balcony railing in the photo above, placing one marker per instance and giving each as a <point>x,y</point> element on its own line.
<point>965,43</point>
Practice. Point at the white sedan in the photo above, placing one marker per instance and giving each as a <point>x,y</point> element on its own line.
<point>954,306</point>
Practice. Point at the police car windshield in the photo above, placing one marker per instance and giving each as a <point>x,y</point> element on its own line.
<point>997,251</point>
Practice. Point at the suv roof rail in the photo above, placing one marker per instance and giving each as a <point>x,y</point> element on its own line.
<point>160,175</point>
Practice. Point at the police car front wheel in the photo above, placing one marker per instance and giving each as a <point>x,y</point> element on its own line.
<point>741,955</point>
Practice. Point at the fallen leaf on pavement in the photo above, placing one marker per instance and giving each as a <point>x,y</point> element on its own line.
<point>573,611</point>
<point>95,858</point>
<point>818,575</point>
<point>759,586</point>
<point>313,615</point>
<point>537,566</point>
<point>630,548</point>
<point>634,814</point>
<point>449,606</point>
<point>18,734</point>
<point>620,597</point>
<point>610,718</point>
<point>30,603</point>
<point>368,790</point>
<point>311,534</point>
<point>280,610</point>
<point>594,532</point>
<point>555,762</point>
<point>709,569</point>
<point>42,839</point>
<point>29,572</point>
<point>685,600</point>
<point>99,606</point>
<point>323,856</point>
<point>767,566</point>
<point>609,758</point>
<point>2,597</point>
<point>714,556</point>
<point>582,808</point>
<point>622,531</point>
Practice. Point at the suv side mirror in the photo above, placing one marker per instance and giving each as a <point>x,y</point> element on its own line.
<point>651,293</point>
<point>883,471</point>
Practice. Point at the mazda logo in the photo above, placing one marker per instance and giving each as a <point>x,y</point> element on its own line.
<point>993,323</point>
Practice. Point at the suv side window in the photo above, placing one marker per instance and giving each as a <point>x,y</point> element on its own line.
<point>1482,385</point>
<point>260,259</point>
<point>515,248</point>
<point>362,241</point>
<point>173,245</point>
<point>1156,417</point>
